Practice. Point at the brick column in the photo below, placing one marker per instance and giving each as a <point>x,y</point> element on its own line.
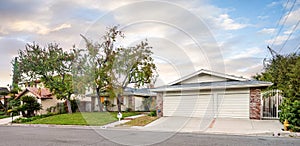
<point>255,103</point>
<point>159,104</point>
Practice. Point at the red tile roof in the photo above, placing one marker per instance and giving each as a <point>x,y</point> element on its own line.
<point>41,93</point>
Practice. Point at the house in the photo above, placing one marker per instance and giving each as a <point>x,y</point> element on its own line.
<point>133,99</point>
<point>42,95</point>
<point>3,96</point>
<point>207,93</point>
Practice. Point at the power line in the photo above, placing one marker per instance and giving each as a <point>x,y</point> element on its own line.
<point>284,21</point>
<point>277,24</point>
<point>290,35</point>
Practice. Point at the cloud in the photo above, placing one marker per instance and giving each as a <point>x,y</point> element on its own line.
<point>273,4</point>
<point>227,23</point>
<point>293,17</point>
<point>267,31</point>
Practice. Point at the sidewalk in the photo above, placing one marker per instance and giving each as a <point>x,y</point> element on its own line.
<point>6,121</point>
<point>245,126</point>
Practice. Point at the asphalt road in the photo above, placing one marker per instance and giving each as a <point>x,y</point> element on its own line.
<point>40,136</point>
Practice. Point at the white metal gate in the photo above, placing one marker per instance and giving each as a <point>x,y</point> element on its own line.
<point>270,101</point>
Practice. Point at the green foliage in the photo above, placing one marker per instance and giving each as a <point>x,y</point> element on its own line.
<point>60,108</point>
<point>51,64</point>
<point>109,69</point>
<point>29,105</point>
<point>152,114</point>
<point>74,105</point>
<point>290,110</point>
<point>29,119</point>
<point>284,72</point>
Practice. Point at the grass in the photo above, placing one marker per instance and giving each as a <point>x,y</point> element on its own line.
<point>4,116</point>
<point>88,118</point>
<point>141,121</point>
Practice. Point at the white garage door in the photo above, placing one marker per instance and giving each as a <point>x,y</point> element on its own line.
<point>187,105</point>
<point>234,105</point>
<point>228,105</point>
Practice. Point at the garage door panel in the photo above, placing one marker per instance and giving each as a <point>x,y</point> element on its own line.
<point>234,105</point>
<point>186,106</point>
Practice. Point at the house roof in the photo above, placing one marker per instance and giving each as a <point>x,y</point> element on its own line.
<point>132,91</point>
<point>139,92</point>
<point>213,85</point>
<point>3,89</point>
<point>212,73</point>
<point>40,93</point>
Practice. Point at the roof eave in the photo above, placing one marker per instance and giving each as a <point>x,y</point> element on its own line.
<point>211,87</point>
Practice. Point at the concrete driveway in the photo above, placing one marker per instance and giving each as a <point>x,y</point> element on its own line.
<point>218,125</point>
<point>179,124</point>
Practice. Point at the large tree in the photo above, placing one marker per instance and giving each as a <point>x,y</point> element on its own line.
<point>52,65</point>
<point>94,65</point>
<point>133,65</point>
<point>109,68</point>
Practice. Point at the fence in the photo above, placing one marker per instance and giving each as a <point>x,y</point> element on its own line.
<point>270,101</point>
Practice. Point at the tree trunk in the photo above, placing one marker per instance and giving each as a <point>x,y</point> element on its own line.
<point>69,106</point>
<point>99,100</point>
<point>119,102</point>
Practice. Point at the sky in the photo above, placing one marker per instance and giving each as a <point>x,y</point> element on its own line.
<point>225,36</point>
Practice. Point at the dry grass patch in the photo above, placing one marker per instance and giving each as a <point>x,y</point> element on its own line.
<point>141,121</point>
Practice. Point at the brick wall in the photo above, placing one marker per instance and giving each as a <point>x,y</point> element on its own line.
<point>255,103</point>
<point>159,104</point>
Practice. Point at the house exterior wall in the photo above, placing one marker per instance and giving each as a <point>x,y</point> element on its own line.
<point>139,106</point>
<point>159,105</point>
<point>203,78</point>
<point>255,103</point>
<point>47,103</point>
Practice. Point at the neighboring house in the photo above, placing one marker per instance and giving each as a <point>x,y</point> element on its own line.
<point>211,94</point>
<point>42,95</point>
<point>3,96</point>
<point>132,99</point>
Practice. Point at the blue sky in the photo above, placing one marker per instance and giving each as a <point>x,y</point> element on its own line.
<point>227,36</point>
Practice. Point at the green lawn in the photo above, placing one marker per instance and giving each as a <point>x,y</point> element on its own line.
<point>4,116</point>
<point>88,118</point>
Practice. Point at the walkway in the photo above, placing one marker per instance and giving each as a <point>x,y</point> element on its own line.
<point>6,121</point>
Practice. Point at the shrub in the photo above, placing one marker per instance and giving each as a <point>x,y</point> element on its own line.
<point>290,111</point>
<point>152,114</point>
<point>25,120</point>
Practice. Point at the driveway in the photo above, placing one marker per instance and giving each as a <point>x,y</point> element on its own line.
<point>179,124</point>
<point>218,125</point>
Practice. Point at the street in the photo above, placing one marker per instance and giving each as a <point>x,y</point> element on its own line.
<point>29,135</point>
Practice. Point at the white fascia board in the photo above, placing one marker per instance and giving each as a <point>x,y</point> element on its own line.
<point>208,87</point>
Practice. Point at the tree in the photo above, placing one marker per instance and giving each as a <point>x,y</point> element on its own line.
<point>15,77</point>
<point>95,65</point>
<point>30,105</point>
<point>52,65</point>
<point>284,72</point>
<point>133,65</point>
<point>110,69</point>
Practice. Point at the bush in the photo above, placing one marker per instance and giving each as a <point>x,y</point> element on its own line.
<point>152,114</point>
<point>290,111</point>
<point>74,105</point>
<point>25,120</point>
<point>2,113</point>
